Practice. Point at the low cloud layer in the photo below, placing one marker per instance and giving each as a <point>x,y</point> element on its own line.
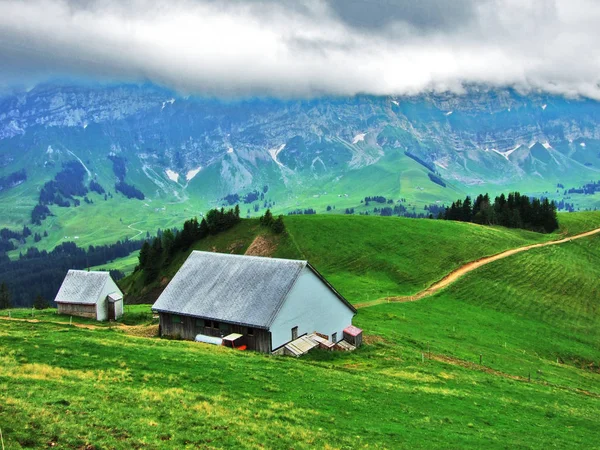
<point>307,48</point>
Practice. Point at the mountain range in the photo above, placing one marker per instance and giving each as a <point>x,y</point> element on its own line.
<point>182,155</point>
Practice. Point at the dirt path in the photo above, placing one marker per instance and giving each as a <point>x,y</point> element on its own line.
<point>134,330</point>
<point>135,229</point>
<point>469,267</point>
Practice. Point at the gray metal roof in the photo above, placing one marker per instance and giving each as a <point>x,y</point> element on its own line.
<point>244,290</point>
<point>80,286</point>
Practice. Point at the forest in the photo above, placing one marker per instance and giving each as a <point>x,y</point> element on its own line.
<point>12,180</point>
<point>129,190</point>
<point>120,170</point>
<point>514,211</point>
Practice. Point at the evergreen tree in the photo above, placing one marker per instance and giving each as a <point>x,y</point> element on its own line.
<point>144,253</point>
<point>40,303</point>
<point>267,219</point>
<point>278,226</point>
<point>467,211</point>
<point>168,242</point>
<point>5,302</point>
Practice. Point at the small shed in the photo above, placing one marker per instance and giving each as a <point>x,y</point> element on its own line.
<point>353,335</point>
<point>91,294</point>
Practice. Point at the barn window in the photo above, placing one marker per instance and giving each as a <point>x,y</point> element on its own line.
<point>176,319</point>
<point>250,331</point>
<point>224,326</point>
<point>215,325</point>
<point>200,323</point>
<point>334,338</point>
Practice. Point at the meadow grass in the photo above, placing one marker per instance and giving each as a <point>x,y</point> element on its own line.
<point>133,315</point>
<point>367,258</point>
<point>575,223</point>
<point>73,388</point>
<point>417,383</point>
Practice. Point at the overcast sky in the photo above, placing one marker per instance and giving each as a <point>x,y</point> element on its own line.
<point>306,47</point>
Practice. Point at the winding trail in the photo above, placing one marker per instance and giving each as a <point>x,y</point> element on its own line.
<point>135,229</point>
<point>470,267</point>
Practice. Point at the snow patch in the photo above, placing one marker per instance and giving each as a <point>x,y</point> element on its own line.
<point>173,176</point>
<point>85,125</point>
<point>507,153</point>
<point>192,173</point>
<point>448,113</point>
<point>395,103</point>
<point>230,150</point>
<point>547,145</point>
<point>274,152</point>
<point>544,106</point>
<point>503,154</point>
<point>165,103</point>
<point>81,162</point>
<point>582,144</point>
<point>50,150</point>
<point>358,138</point>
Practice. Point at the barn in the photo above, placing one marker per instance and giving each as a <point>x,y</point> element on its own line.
<point>90,294</point>
<point>268,301</point>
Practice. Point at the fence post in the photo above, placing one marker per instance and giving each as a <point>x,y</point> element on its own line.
<point>480,360</point>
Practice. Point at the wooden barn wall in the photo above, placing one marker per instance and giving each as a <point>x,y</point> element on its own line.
<point>70,309</point>
<point>187,329</point>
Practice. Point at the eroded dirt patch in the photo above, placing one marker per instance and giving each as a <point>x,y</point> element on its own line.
<point>261,246</point>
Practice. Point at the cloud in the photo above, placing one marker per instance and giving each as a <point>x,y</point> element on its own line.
<point>307,48</point>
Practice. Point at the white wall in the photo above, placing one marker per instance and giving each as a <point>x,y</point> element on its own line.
<point>102,304</point>
<point>119,309</point>
<point>311,306</point>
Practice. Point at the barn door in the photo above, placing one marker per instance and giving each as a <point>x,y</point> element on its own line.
<point>111,311</point>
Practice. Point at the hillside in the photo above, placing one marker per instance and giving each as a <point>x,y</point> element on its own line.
<point>180,155</point>
<point>533,319</point>
<point>364,257</point>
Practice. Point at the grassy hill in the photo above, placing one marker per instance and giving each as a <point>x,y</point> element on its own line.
<point>417,383</point>
<point>364,257</point>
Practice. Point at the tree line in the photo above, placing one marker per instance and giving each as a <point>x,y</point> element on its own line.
<point>512,211</point>
<point>157,253</point>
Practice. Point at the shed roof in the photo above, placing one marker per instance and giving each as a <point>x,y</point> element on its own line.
<point>82,287</point>
<point>352,330</point>
<point>244,290</point>
<point>115,297</point>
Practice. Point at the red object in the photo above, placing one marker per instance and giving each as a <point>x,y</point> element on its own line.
<point>352,330</point>
<point>241,347</point>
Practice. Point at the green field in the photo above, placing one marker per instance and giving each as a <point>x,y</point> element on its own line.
<point>366,257</point>
<point>533,319</point>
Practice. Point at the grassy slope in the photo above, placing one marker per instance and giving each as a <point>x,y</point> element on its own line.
<point>520,314</point>
<point>366,257</point>
<point>370,257</point>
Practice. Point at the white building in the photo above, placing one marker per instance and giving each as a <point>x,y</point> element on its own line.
<point>90,294</point>
<point>269,301</point>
